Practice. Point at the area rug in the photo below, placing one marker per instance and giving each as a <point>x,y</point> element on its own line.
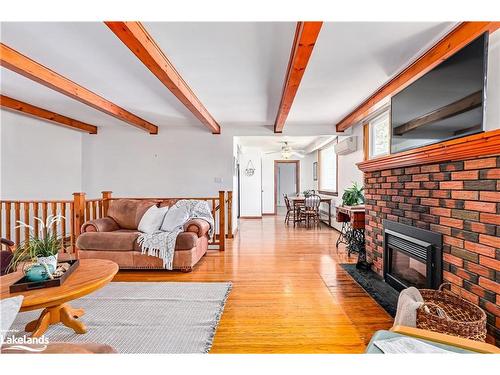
<point>385,295</point>
<point>145,317</point>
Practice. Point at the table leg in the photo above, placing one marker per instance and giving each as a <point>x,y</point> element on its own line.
<point>64,314</point>
<point>294,210</point>
<point>330,213</point>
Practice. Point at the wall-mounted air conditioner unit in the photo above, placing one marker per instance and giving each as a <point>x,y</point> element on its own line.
<point>346,146</point>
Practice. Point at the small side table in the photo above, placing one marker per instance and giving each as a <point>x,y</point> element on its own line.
<point>353,232</point>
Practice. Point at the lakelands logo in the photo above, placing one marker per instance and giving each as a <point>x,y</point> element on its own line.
<point>26,343</point>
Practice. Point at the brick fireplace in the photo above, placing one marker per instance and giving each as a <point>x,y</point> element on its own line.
<point>459,199</point>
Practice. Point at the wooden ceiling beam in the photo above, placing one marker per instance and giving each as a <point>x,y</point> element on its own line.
<point>23,65</point>
<point>306,35</point>
<point>455,40</point>
<point>144,47</point>
<point>46,115</point>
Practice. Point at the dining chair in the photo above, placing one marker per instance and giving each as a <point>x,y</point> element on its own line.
<point>291,211</point>
<point>311,209</point>
<point>6,254</point>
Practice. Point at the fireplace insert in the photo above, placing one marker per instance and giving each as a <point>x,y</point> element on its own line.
<point>412,256</point>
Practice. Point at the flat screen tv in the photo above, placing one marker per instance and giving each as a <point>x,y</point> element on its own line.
<point>447,102</point>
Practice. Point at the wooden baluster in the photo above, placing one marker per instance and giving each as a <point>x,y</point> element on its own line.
<point>1,219</point>
<point>17,210</point>
<point>26,220</point>
<point>8,223</point>
<point>87,211</point>
<point>36,224</point>
<point>72,225</point>
<point>215,222</point>
<point>44,216</point>
<point>79,210</point>
<point>94,210</point>
<point>63,225</point>
<point>229,214</point>
<point>54,212</point>
<point>106,197</point>
<point>99,210</point>
<point>222,217</point>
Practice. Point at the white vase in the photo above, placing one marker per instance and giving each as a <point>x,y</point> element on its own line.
<point>52,260</point>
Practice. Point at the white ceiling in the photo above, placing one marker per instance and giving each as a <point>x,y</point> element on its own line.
<point>236,69</point>
<point>274,143</point>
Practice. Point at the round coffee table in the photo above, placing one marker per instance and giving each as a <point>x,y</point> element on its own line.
<point>91,274</point>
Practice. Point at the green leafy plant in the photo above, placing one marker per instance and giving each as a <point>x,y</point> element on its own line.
<point>353,195</point>
<point>45,243</point>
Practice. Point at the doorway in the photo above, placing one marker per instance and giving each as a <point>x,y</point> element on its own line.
<point>286,181</point>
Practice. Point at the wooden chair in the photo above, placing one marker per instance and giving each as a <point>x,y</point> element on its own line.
<point>311,209</point>
<point>6,254</point>
<point>290,210</point>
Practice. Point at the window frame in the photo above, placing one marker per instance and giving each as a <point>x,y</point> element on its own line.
<point>329,192</point>
<point>369,133</point>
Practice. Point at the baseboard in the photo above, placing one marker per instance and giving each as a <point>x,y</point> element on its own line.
<point>269,214</point>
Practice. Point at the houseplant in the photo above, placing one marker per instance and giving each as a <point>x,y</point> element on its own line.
<point>40,248</point>
<point>353,195</point>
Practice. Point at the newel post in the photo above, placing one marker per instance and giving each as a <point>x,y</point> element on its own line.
<point>106,196</point>
<point>78,216</point>
<point>222,219</point>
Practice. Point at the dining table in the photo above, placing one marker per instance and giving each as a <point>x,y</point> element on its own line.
<point>300,200</point>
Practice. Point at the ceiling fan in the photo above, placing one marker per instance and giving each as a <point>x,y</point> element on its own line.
<point>287,151</point>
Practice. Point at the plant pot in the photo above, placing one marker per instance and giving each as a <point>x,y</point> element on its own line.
<point>50,260</point>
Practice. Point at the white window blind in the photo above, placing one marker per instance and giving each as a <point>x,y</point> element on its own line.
<point>379,135</point>
<point>328,169</point>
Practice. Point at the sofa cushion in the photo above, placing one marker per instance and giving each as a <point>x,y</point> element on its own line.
<point>186,241</point>
<point>119,240</point>
<point>126,240</point>
<point>152,219</point>
<point>128,212</point>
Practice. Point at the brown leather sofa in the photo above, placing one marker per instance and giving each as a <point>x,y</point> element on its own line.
<point>114,237</point>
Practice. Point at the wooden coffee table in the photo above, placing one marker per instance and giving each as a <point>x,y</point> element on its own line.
<point>92,274</point>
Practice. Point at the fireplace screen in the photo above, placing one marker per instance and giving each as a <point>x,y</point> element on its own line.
<point>410,270</point>
<point>412,256</point>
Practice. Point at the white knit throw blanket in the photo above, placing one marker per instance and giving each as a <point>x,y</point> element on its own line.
<point>161,244</point>
<point>409,301</point>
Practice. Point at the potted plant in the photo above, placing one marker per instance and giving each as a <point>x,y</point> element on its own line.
<point>40,248</point>
<point>353,195</point>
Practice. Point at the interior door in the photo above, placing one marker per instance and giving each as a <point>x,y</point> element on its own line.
<point>287,181</point>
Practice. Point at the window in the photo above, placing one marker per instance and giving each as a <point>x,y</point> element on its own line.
<point>327,170</point>
<point>379,135</point>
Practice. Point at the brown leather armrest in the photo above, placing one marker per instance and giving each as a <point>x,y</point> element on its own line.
<point>198,226</point>
<point>104,224</point>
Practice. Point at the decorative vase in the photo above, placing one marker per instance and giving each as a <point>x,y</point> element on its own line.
<point>38,272</point>
<point>50,260</point>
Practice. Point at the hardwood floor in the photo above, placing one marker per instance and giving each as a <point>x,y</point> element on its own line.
<point>289,293</point>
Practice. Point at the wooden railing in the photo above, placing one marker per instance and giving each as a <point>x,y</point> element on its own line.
<point>79,210</point>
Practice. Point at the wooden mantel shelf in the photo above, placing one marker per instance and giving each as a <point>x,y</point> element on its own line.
<point>477,145</point>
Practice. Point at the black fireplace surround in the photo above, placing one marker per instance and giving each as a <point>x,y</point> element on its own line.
<point>412,256</point>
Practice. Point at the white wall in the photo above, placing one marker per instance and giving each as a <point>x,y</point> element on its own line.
<point>306,178</point>
<point>251,186</point>
<point>38,160</point>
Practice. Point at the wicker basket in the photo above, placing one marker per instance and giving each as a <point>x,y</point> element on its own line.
<point>447,313</point>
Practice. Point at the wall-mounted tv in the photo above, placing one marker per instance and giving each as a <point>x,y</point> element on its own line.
<point>447,102</point>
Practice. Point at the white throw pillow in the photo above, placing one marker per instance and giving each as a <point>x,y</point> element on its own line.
<point>152,219</point>
<point>174,218</point>
<point>9,308</point>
